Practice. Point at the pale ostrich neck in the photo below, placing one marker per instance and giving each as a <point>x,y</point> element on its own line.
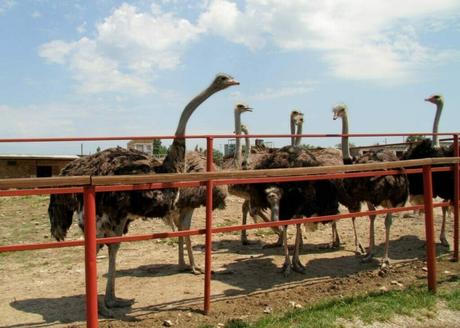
<point>299,131</point>
<point>237,154</point>
<point>248,146</point>
<point>175,158</point>
<point>293,139</point>
<point>345,144</point>
<point>437,117</point>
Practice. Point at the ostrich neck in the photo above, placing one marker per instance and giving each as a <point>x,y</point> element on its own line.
<point>293,139</point>
<point>175,158</point>
<point>345,144</point>
<point>247,151</point>
<point>299,131</point>
<point>436,124</point>
<point>237,154</point>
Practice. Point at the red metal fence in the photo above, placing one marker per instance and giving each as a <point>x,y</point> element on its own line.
<point>89,186</point>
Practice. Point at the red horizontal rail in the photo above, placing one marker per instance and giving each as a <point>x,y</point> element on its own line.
<point>203,136</point>
<point>194,232</point>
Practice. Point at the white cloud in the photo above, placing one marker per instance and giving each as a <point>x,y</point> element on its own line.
<point>286,90</point>
<point>6,5</point>
<point>359,39</point>
<point>128,49</point>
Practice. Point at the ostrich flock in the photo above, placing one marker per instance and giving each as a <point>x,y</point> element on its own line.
<point>268,201</point>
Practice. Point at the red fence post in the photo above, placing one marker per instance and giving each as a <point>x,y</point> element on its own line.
<point>89,197</point>
<point>429,227</point>
<point>455,200</point>
<point>208,236</point>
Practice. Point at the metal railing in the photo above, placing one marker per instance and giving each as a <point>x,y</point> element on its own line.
<point>90,185</point>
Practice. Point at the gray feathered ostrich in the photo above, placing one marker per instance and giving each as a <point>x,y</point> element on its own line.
<point>112,208</point>
<point>443,182</point>
<point>190,199</point>
<point>289,200</point>
<point>387,191</point>
<point>235,163</point>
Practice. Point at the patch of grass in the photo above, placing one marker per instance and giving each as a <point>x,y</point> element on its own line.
<point>452,299</point>
<point>367,308</point>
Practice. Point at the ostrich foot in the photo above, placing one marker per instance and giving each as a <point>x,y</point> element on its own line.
<point>298,267</point>
<point>286,269</point>
<point>359,250</point>
<point>195,269</point>
<point>444,242</point>
<point>367,258</point>
<point>332,245</point>
<point>115,302</point>
<point>384,267</point>
<point>244,238</point>
<point>104,311</point>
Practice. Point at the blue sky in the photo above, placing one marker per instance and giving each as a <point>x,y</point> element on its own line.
<point>101,68</point>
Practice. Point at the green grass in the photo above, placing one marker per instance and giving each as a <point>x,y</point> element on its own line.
<point>368,308</point>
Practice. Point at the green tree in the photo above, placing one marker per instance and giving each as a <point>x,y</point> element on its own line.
<point>218,157</point>
<point>158,149</point>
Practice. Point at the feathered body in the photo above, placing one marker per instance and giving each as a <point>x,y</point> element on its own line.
<point>443,182</point>
<point>116,205</point>
<point>388,190</point>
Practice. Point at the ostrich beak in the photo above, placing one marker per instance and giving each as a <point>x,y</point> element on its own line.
<point>233,82</point>
<point>430,99</point>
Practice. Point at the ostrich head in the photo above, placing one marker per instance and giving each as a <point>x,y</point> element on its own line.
<point>297,117</point>
<point>244,129</point>
<point>436,99</point>
<point>221,82</point>
<point>339,111</point>
<point>242,108</point>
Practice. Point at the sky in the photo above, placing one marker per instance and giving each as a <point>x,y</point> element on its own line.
<point>115,68</point>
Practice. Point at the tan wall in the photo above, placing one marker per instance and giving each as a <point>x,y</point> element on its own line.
<point>27,168</point>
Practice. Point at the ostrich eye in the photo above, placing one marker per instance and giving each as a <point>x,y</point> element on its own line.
<point>223,78</point>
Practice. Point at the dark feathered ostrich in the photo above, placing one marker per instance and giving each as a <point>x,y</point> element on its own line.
<point>387,191</point>
<point>112,208</point>
<point>325,156</point>
<point>293,199</point>
<point>190,199</point>
<point>443,182</point>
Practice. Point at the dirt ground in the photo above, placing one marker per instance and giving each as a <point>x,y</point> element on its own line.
<point>46,288</point>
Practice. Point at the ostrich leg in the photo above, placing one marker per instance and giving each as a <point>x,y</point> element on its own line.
<point>287,259</point>
<point>297,266</point>
<point>185,222</point>
<point>245,209</point>
<point>386,260</point>
<point>370,250</point>
<point>442,235</point>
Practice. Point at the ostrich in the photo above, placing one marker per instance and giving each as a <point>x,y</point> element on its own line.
<point>325,156</point>
<point>443,185</point>
<point>388,190</point>
<point>288,200</point>
<point>235,163</point>
<point>189,199</point>
<point>296,127</point>
<point>112,209</point>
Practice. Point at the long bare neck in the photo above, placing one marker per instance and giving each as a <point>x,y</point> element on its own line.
<point>437,117</point>
<point>175,158</point>
<point>247,150</point>
<point>293,139</point>
<point>299,131</point>
<point>237,155</point>
<point>345,144</point>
